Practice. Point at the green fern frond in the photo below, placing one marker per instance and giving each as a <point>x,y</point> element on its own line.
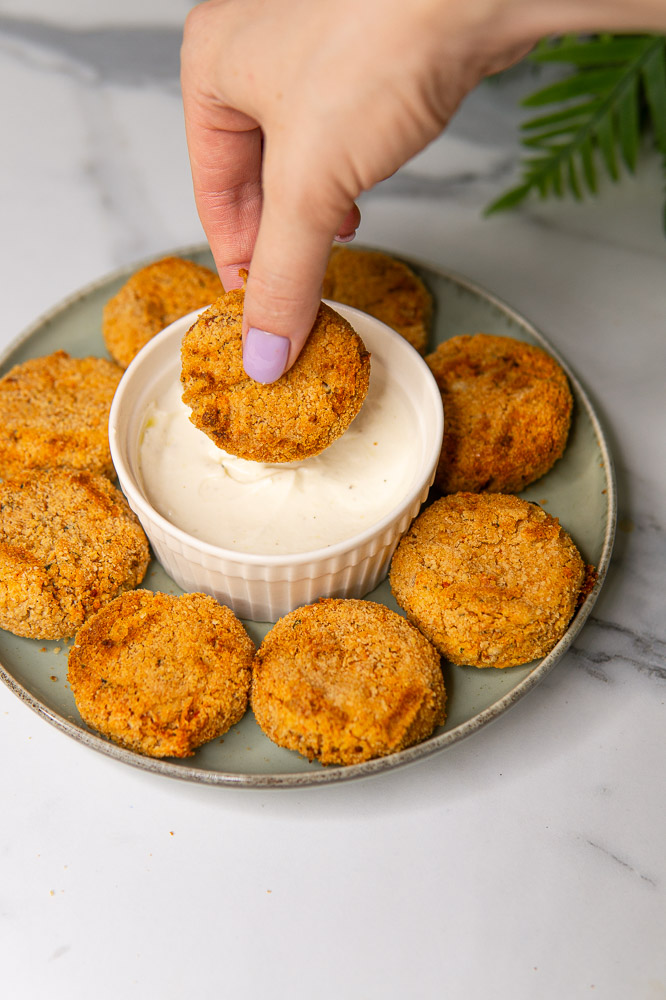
<point>607,50</point>
<point>654,84</point>
<point>617,88</point>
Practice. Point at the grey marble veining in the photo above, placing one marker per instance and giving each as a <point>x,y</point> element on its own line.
<point>408,184</point>
<point>118,182</point>
<point>133,56</point>
<point>605,644</point>
<point>624,863</point>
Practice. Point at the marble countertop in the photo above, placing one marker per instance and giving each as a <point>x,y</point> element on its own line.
<point>525,862</point>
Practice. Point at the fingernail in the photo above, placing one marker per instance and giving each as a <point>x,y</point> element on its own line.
<point>264,355</point>
<point>345,239</point>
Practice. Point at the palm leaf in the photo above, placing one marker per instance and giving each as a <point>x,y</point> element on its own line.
<point>600,81</point>
<point>628,129</point>
<point>616,87</point>
<point>566,114</point>
<point>606,51</point>
<point>604,133</point>
<point>654,83</point>
<point>588,164</point>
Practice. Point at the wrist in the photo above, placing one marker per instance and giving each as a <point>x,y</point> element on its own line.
<point>525,21</point>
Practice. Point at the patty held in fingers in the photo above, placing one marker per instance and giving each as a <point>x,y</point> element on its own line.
<point>300,415</point>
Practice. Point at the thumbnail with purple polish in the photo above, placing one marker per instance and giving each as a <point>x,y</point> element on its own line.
<point>265,355</point>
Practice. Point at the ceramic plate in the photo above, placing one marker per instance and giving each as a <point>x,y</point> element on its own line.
<point>579,490</point>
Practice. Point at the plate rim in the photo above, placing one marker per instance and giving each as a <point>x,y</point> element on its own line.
<point>434,744</point>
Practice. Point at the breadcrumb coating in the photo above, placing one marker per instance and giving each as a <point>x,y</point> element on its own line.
<point>507,410</point>
<point>54,412</point>
<point>383,287</point>
<point>298,416</point>
<point>344,681</point>
<point>160,674</point>
<point>68,544</point>
<point>491,580</point>
<point>151,299</point>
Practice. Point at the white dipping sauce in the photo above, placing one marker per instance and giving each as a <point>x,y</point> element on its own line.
<point>282,508</point>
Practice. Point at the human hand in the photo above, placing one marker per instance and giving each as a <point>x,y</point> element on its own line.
<point>294,107</point>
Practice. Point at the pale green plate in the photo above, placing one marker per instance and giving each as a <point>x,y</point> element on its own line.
<point>579,490</point>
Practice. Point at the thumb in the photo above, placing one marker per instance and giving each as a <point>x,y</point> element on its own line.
<point>299,219</point>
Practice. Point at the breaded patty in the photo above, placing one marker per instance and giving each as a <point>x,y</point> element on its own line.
<point>382,286</point>
<point>160,674</point>
<point>344,681</point>
<point>299,415</point>
<point>68,544</point>
<point>491,580</point>
<point>507,409</point>
<point>54,411</point>
<point>151,299</point>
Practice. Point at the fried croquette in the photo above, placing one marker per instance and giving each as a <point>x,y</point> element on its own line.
<point>54,412</point>
<point>151,299</point>
<point>159,674</point>
<point>507,410</point>
<point>68,544</point>
<point>344,681</point>
<point>302,413</point>
<point>382,286</point>
<point>491,580</point>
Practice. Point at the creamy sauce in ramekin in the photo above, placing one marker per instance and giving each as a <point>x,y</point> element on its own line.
<point>285,508</point>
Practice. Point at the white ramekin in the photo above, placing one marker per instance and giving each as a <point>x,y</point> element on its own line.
<point>258,587</point>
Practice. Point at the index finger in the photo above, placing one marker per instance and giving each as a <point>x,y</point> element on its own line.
<point>225,149</point>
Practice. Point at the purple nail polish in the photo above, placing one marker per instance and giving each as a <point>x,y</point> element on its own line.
<point>264,355</point>
<point>345,239</point>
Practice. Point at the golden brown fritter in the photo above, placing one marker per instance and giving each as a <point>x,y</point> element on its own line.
<point>54,412</point>
<point>382,286</point>
<point>491,580</point>
<point>68,544</point>
<point>507,409</point>
<point>302,413</point>
<point>159,674</point>
<point>151,299</point>
<point>344,681</point>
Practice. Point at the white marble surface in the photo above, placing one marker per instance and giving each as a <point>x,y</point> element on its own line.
<point>527,862</point>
